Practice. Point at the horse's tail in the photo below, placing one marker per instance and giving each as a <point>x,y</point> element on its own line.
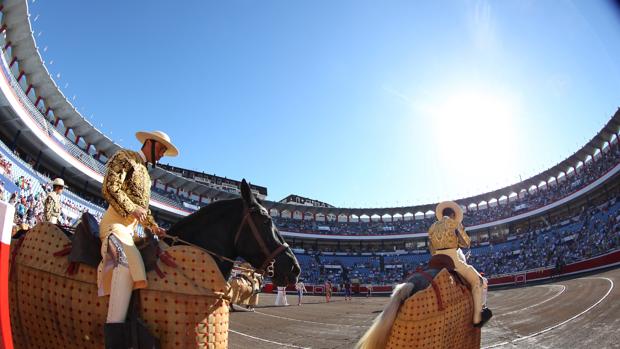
<point>377,335</point>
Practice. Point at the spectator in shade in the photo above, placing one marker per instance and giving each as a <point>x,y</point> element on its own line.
<point>52,201</point>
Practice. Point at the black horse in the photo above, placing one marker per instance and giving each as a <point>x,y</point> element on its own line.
<point>240,228</point>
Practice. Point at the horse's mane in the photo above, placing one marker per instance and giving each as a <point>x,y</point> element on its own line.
<point>211,211</point>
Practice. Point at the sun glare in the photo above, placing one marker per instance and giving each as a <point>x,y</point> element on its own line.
<point>475,129</point>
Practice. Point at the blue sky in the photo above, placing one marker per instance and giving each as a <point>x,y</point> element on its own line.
<point>356,103</point>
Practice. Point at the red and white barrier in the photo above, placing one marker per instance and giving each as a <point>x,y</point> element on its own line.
<point>7,212</point>
<point>606,260</point>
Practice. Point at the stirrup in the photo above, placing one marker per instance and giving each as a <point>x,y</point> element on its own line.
<point>141,336</point>
<point>116,335</point>
<point>486,315</point>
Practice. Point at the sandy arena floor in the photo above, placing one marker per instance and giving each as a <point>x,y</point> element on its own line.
<point>575,313</point>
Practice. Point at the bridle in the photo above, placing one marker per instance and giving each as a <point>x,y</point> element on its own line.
<point>266,269</point>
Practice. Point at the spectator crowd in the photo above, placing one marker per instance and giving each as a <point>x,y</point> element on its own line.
<point>595,231</point>
<point>28,195</point>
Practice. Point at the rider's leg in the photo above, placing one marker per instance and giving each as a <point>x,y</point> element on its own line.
<point>473,278</point>
<point>121,286</point>
<point>120,294</point>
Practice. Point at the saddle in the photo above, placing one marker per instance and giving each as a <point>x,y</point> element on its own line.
<point>85,247</point>
<point>85,242</point>
<point>422,278</point>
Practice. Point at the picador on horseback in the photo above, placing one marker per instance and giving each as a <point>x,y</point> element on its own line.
<point>446,237</point>
<point>127,188</point>
<point>186,302</point>
<point>434,307</point>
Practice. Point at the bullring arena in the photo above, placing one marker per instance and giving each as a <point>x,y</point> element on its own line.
<point>534,316</point>
<point>548,244</point>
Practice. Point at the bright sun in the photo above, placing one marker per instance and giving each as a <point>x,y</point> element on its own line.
<point>475,130</point>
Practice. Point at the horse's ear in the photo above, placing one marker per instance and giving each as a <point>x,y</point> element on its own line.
<point>246,192</point>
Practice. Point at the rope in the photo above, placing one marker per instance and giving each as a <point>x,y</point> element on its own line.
<point>176,239</point>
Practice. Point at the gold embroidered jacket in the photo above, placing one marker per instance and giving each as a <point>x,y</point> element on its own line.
<point>443,234</point>
<point>127,185</point>
<point>52,206</point>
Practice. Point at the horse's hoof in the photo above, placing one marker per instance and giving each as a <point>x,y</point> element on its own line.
<point>236,307</point>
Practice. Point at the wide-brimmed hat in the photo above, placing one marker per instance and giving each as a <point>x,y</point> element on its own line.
<point>58,182</point>
<point>160,137</point>
<point>458,211</point>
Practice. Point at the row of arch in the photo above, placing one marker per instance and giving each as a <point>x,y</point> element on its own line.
<point>410,214</point>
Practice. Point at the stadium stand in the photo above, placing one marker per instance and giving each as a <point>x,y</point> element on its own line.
<point>587,174</point>
<point>29,188</point>
<point>594,232</point>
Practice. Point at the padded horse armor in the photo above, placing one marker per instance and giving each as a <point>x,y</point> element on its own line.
<point>56,310</point>
<point>439,300</point>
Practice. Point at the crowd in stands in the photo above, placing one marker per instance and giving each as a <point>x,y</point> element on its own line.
<point>29,204</point>
<point>28,207</point>
<point>23,183</point>
<point>586,174</point>
<point>174,199</point>
<point>27,193</point>
<point>5,166</point>
<point>593,232</point>
<point>351,228</point>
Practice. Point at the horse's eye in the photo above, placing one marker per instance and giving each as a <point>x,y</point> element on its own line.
<point>267,222</point>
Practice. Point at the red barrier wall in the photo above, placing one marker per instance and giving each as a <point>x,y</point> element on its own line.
<point>591,264</point>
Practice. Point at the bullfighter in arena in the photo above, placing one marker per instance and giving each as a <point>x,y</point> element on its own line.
<point>446,237</point>
<point>127,188</point>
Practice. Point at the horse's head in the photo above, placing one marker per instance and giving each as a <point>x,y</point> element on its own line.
<point>259,242</point>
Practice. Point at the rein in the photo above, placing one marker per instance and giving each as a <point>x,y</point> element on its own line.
<point>176,239</point>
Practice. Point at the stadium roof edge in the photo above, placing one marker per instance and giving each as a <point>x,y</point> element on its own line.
<point>19,33</point>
